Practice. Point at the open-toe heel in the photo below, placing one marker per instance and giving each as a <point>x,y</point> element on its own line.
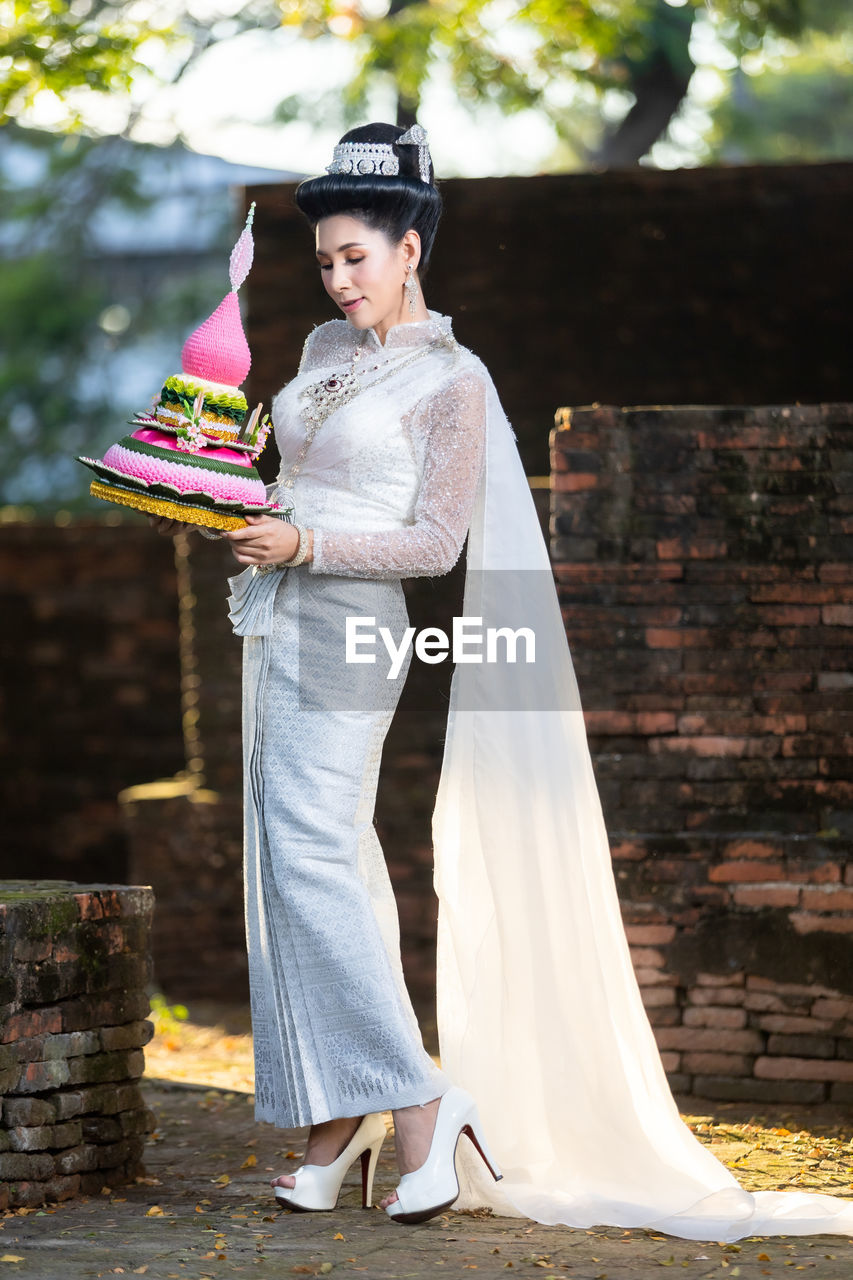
<point>317,1186</point>
<point>435,1185</point>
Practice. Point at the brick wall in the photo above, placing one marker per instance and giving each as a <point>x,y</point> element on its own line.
<point>73,971</point>
<point>90,688</point>
<point>702,560</point>
<point>714,285</point>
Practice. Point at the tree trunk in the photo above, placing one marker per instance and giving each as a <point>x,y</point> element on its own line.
<point>659,83</point>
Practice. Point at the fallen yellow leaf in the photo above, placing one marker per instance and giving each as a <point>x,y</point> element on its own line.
<point>222,1181</point>
<point>249,1162</point>
<point>338,1236</point>
<point>140,1271</point>
<point>154,1212</point>
<point>11,1257</point>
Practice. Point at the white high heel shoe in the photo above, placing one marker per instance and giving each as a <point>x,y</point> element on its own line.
<point>317,1186</point>
<point>435,1185</point>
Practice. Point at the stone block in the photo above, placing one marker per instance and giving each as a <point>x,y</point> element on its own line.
<point>723,1064</point>
<point>30,1166</point>
<point>40,1077</point>
<point>28,1111</point>
<point>709,1039</point>
<point>135,1123</point>
<point>134,1035</point>
<point>803,1069</point>
<point>92,1011</point>
<point>802,1046</point>
<point>789,1025</point>
<point>62,1188</point>
<point>79,1159</point>
<point>31,1022</point>
<point>748,1089</point>
<point>724,1018</point>
<point>26,1195</point>
<point>101,1129</point>
<point>99,1068</point>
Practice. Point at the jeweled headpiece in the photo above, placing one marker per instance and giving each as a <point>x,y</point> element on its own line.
<point>365,158</point>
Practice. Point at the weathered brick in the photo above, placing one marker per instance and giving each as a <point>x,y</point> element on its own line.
<point>650,935</point>
<point>747,1089</point>
<point>31,1137</point>
<point>821,873</point>
<point>134,1123</point>
<point>696,1039</point>
<point>841,1093</point>
<point>647,958</point>
<point>29,950</point>
<point>39,1077</point>
<point>727,1018</point>
<point>657,997</point>
<point>95,1011</point>
<point>670,1060</point>
<point>62,1188</point>
<point>806,922</point>
<point>834,1009</point>
<point>131,1036</point>
<point>757,983</point>
<point>723,1064</point>
<point>30,1166</point>
<point>79,1159</point>
<point>743,871</point>
<point>803,1069</point>
<point>720,979</point>
<point>750,848</point>
<point>31,1022</point>
<point>804,1046</point>
<point>787,1024</point>
<point>101,1067</point>
<point>829,897</point>
<point>101,1129</point>
<point>26,1195</point>
<point>28,1111</point>
<point>767,896</point>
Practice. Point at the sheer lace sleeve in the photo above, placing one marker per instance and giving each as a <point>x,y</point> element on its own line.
<point>453,421</point>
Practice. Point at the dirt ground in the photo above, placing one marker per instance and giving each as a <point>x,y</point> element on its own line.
<point>204,1208</point>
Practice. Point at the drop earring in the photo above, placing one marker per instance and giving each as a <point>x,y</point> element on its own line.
<point>411,287</point>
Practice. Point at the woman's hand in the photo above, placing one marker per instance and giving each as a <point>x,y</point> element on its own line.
<point>265,540</point>
<point>168,528</point>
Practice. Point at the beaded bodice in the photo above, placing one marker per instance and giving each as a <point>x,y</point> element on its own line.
<point>389,479</point>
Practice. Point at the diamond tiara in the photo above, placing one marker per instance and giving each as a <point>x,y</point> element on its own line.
<point>365,158</point>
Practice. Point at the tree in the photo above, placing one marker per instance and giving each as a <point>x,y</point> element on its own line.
<point>515,54</point>
<point>639,48</point>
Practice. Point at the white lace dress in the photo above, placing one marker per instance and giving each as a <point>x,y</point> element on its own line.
<point>388,486</point>
<point>539,1013</point>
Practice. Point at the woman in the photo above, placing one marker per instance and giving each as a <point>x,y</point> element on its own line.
<point>395,446</point>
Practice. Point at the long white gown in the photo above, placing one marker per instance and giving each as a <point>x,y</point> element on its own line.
<point>540,1015</point>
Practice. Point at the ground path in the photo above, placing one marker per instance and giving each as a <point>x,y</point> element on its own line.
<point>205,1211</point>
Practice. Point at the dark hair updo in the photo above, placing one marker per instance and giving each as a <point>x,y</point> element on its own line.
<point>390,204</point>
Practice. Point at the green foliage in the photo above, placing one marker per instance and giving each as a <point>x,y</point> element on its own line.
<point>166,1017</point>
<point>55,46</point>
<point>604,44</point>
<point>801,109</point>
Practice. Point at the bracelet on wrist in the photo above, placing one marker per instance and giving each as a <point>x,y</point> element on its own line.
<point>296,559</point>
